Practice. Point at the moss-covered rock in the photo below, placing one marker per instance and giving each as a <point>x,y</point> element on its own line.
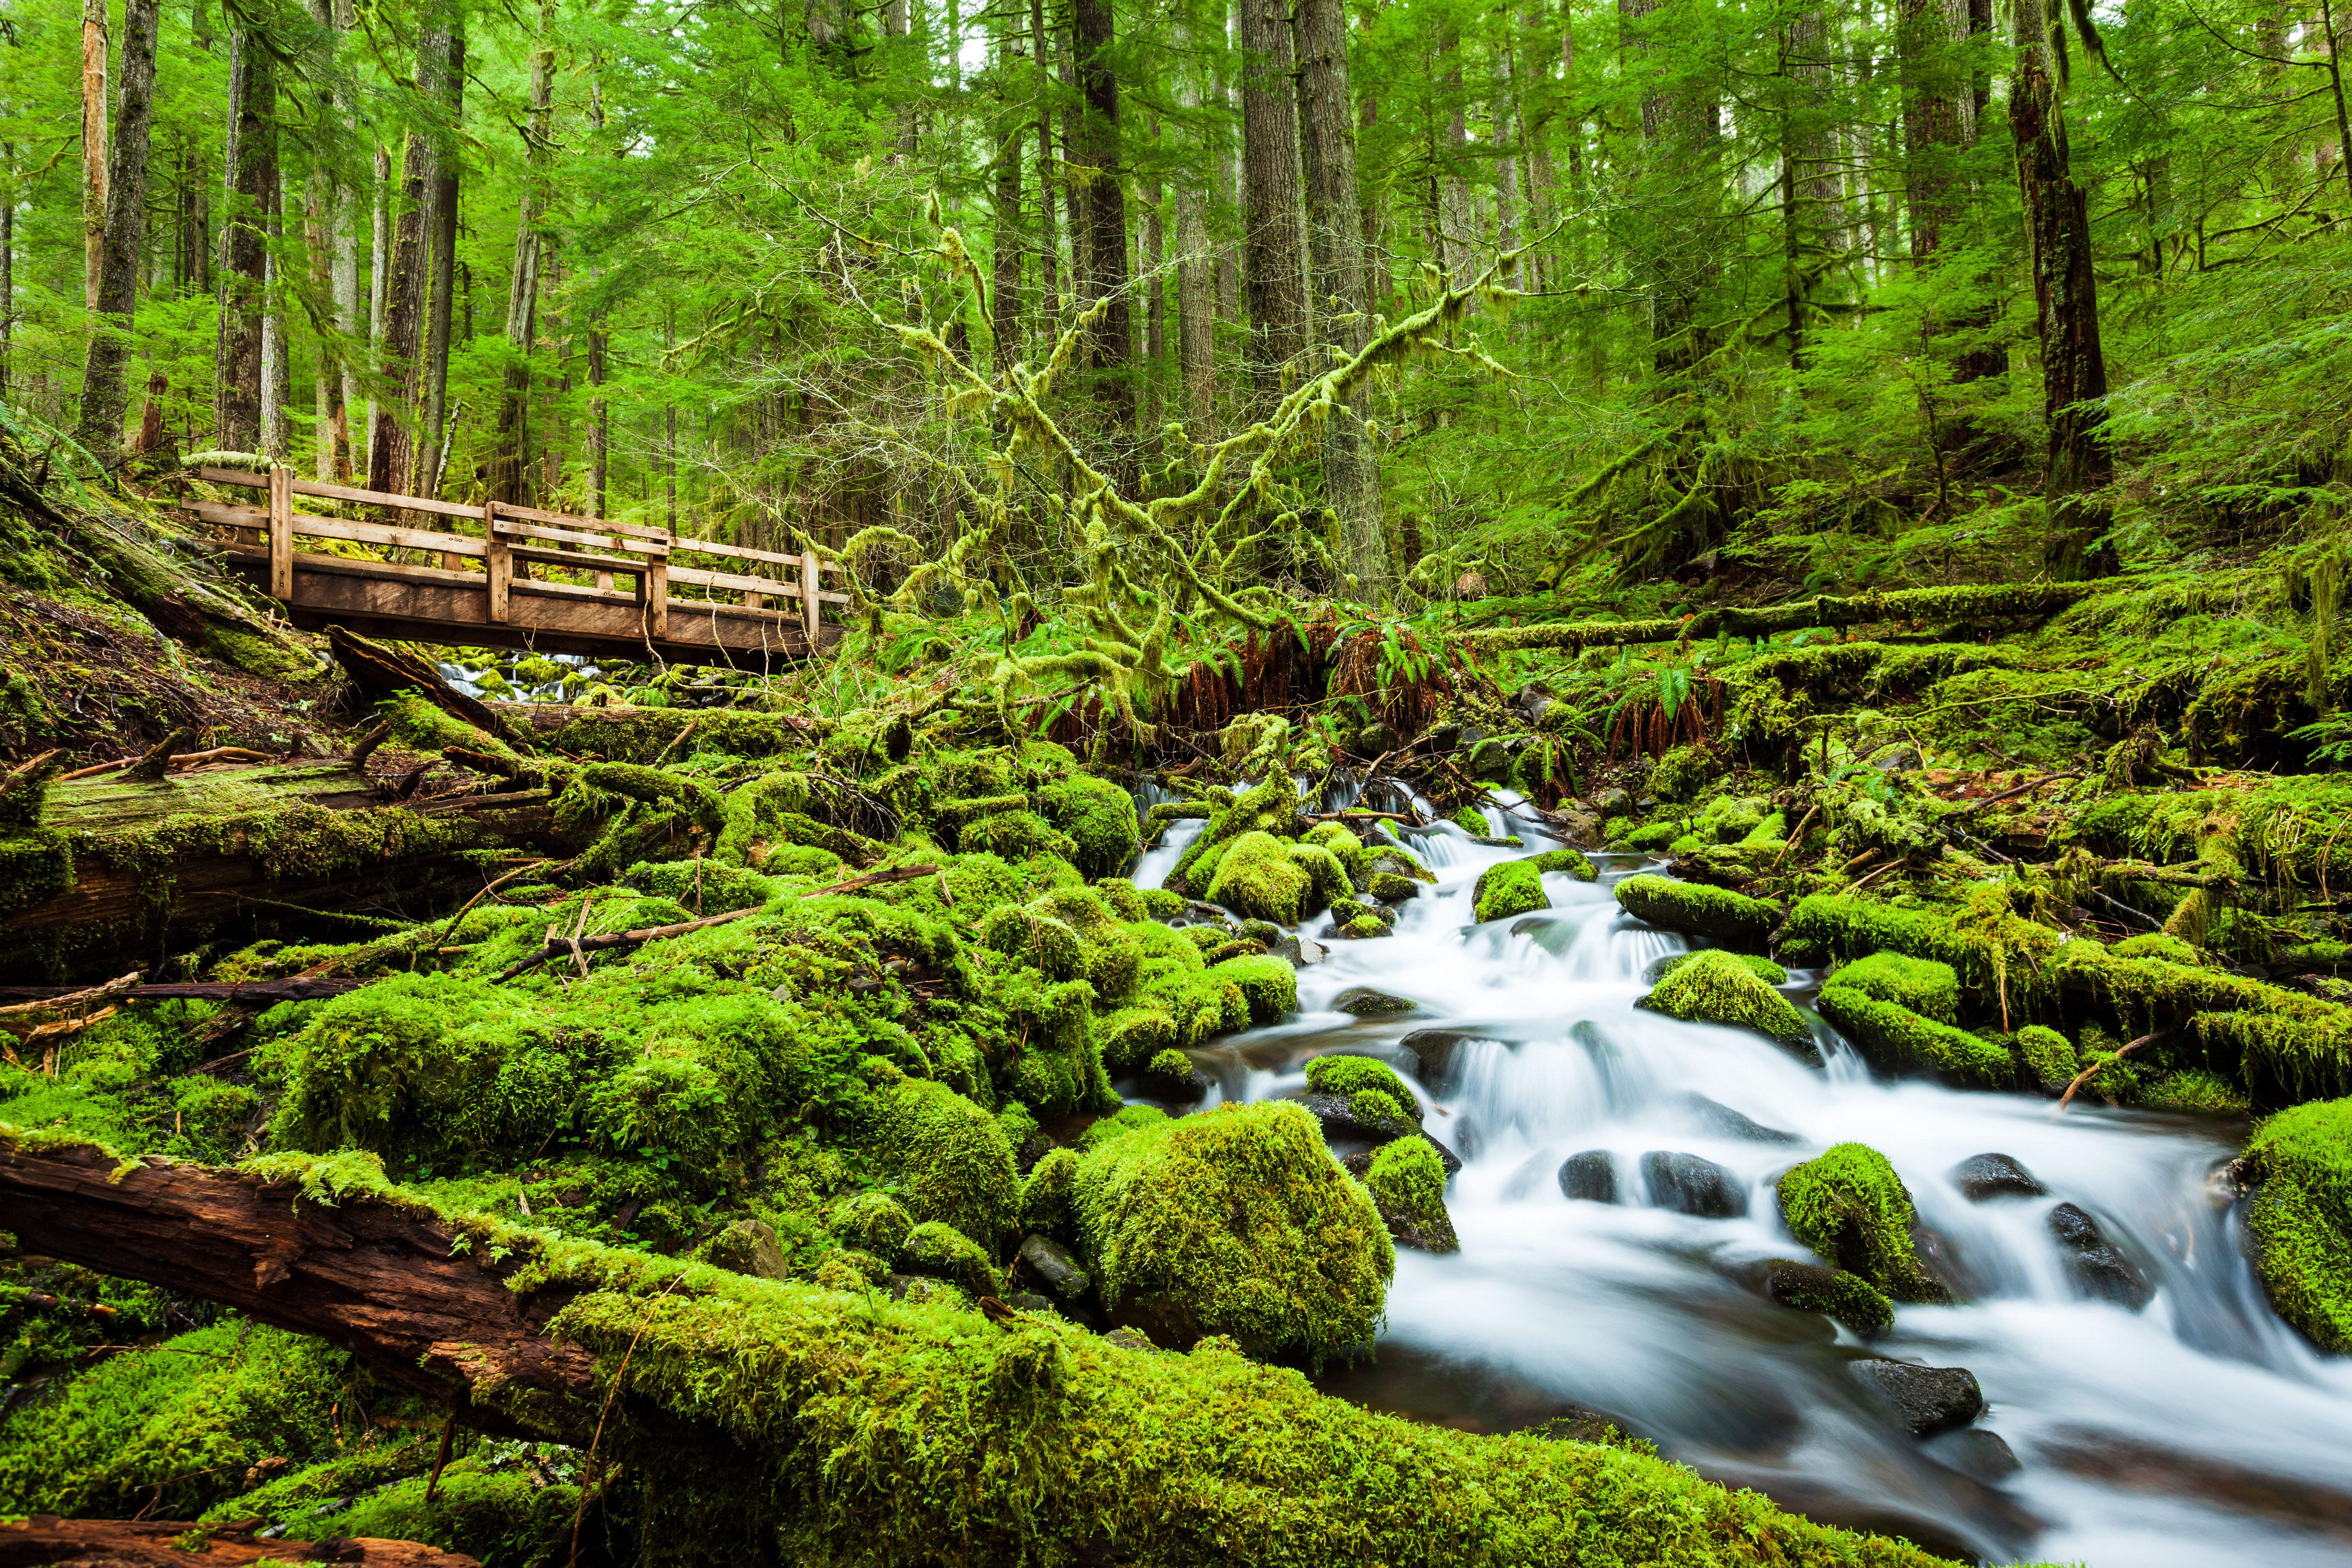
<point>2301,1218</point>
<point>949,1157</point>
<point>1574,863</point>
<point>1717,914</point>
<point>1258,879</point>
<point>1854,1212</point>
<point>1099,816</point>
<point>1049,1197</point>
<point>2048,1056</point>
<point>1844,1298</point>
<point>1852,927</point>
<point>1510,888</point>
<point>1929,988</point>
<point>946,1253</point>
<point>1407,1181</point>
<point>1764,969</point>
<point>875,1223</point>
<point>1235,1222</point>
<point>2193,1091</point>
<point>1898,1038</point>
<point>1346,1076</point>
<point>1713,986</point>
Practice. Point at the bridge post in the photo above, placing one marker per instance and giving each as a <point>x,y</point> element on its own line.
<point>812,577</point>
<point>500,562</point>
<point>281,533</point>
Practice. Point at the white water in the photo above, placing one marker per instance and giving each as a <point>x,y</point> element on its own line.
<point>2200,1431</point>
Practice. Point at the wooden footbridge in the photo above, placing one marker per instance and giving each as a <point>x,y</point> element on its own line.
<point>514,576</point>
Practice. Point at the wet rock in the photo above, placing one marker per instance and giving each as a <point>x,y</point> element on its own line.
<point>1590,1177</point>
<point>1580,1424</point>
<point>1028,1301</point>
<point>1981,1177</point>
<point>1054,1267</point>
<point>1816,1287</point>
<point>1977,1454</point>
<point>1127,1339</point>
<point>1364,1002</point>
<point>1689,1185</point>
<point>1310,952</point>
<point>1389,888</point>
<point>1531,699</point>
<point>1434,1051</point>
<point>1376,739</point>
<point>2098,1268</point>
<point>1611,803</point>
<point>748,1247</point>
<point>1170,1075</point>
<point>1359,1164</point>
<point>1926,1399</point>
<point>1719,1119</point>
<point>1357,928</point>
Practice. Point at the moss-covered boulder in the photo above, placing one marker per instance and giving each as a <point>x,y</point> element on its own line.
<point>1511,888</point>
<point>1717,914</point>
<point>1929,988</point>
<point>1841,1296</point>
<point>943,1252</point>
<point>1713,986</point>
<point>1407,1181</point>
<point>1100,818</point>
<point>1237,1222</point>
<point>2300,1221</point>
<point>1901,1040</point>
<point>1257,878</point>
<point>1854,1212</point>
<point>949,1157</point>
<point>1574,863</point>
<point>1850,926</point>
<point>1764,969</point>
<point>2048,1058</point>
<point>872,1222</point>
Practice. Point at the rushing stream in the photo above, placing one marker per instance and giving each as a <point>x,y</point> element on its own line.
<point>2198,1431</point>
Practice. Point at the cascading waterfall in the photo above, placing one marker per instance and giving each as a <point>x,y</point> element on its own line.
<point>2198,1430</point>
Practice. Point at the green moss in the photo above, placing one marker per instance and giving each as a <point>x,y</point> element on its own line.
<point>1713,986</point>
<point>1100,818</point>
<point>1049,1197</point>
<point>1378,1108</point>
<point>1508,888</point>
<point>1680,774</point>
<point>498,1505</point>
<point>1844,1298</point>
<point>2048,1056</point>
<point>946,1253</point>
<point>1328,883</point>
<point>1853,1211</point>
<point>1119,1123</point>
<point>1159,903</point>
<point>2193,1091</point>
<point>1696,909</point>
<point>948,1156</point>
<point>1237,1222</point>
<point>2301,1218</point>
<point>1258,879</point>
<point>1346,1076</point>
<point>1407,1181</point>
<point>1764,969</point>
<point>1854,927</point>
<point>186,1416</point>
<point>1575,863</point>
<point>873,1221</point>
<point>1016,835</point>
<point>1895,1037</point>
<point>36,864</point>
<point>1921,984</point>
<point>2156,944</point>
<point>1170,1066</point>
<point>1355,855</point>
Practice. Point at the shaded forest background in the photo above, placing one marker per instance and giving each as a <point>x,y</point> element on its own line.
<point>1788,295</point>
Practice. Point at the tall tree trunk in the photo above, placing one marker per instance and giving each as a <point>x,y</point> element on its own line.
<point>600,428</point>
<point>1510,132</point>
<point>93,146</point>
<point>7,264</point>
<point>1457,228</point>
<point>277,438</point>
<point>1531,85</point>
<point>1112,343</point>
<point>2058,230</point>
<point>318,198</point>
<point>1931,121</point>
<point>340,359</point>
<point>1979,67</point>
<point>1004,284</point>
<point>1074,151</point>
<point>393,441</point>
<point>449,87</point>
<point>1196,278</point>
<point>1334,226</point>
<point>1155,303</point>
<point>249,171</point>
<point>1272,275</point>
<point>103,391</point>
<point>1049,272</point>
<point>1225,195</point>
<point>511,466</point>
<point>380,267</point>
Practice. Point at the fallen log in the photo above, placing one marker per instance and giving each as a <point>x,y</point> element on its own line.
<point>301,988</point>
<point>837,1425</point>
<point>1992,602</point>
<point>381,672</point>
<point>174,1543</point>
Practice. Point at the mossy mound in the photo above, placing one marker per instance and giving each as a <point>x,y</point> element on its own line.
<point>948,1156</point>
<point>946,1253</point>
<point>1575,863</point>
<point>2048,1056</point>
<point>2301,1218</point>
<point>1717,914</point>
<point>1348,1075</point>
<point>1099,819</point>
<point>1898,1038</point>
<point>1852,927</point>
<point>1841,1296</point>
<point>873,1221</point>
<point>1258,879</point>
<point>1854,1212</point>
<point>1407,1181</point>
<point>1921,984</point>
<point>1511,888</point>
<point>1713,986</point>
<point>1764,969</point>
<point>1235,1222</point>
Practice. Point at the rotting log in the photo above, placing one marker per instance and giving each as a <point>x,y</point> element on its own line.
<point>1992,602</point>
<point>177,1543</point>
<point>383,672</point>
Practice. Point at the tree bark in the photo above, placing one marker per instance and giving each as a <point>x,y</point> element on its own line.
<point>1049,288</point>
<point>275,366</point>
<point>380,264</point>
<point>104,392</point>
<point>448,85</point>
<point>510,468</point>
<point>1112,342</point>
<point>1004,282</point>
<point>1456,236</point>
<point>2074,371</point>
<point>1351,480</point>
<point>1273,274</point>
<point>1931,121</point>
<point>393,441</point>
<point>250,174</point>
<point>93,147</point>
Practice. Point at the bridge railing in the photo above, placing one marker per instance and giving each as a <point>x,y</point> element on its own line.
<point>509,542</point>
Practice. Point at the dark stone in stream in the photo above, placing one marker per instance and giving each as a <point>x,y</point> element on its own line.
<point>1975,1453</point>
<point>1590,1176</point>
<point>1926,1399</point>
<point>1983,1176</point>
<point>1719,1119</point>
<point>1359,1164</point>
<point>2099,1270</point>
<point>1365,1003</point>
<point>1613,802</point>
<point>1688,1184</point>
<point>1433,1054</point>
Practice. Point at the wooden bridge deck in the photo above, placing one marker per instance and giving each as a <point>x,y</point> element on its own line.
<point>496,576</point>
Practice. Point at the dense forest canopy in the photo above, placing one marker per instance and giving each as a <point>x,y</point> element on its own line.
<point>1843,291</point>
